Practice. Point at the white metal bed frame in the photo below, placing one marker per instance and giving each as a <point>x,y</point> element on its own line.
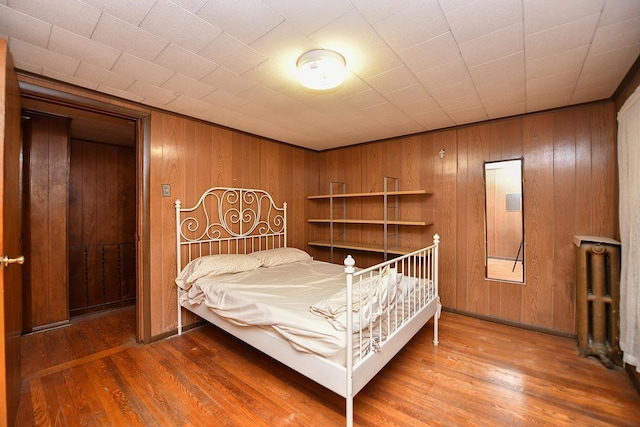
<point>239,220</point>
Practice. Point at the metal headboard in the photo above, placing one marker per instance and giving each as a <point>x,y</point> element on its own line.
<point>229,220</point>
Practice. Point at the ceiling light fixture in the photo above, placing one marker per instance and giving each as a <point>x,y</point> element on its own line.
<point>321,69</point>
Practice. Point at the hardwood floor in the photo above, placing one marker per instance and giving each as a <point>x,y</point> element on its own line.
<point>481,374</point>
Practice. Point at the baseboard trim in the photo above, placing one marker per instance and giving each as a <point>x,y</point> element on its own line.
<point>512,323</point>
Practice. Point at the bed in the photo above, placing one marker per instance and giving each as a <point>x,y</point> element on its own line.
<point>336,324</point>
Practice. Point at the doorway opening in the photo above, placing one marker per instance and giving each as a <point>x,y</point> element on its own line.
<point>98,265</point>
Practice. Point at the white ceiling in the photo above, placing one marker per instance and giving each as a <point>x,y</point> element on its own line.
<point>414,65</point>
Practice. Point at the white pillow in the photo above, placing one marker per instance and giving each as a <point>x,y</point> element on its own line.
<point>278,256</point>
<point>215,264</point>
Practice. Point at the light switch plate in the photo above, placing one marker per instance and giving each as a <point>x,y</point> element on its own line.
<point>166,190</point>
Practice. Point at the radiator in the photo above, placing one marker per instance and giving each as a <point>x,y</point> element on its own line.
<point>598,298</point>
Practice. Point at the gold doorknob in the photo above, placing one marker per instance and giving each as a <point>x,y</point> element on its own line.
<point>5,260</point>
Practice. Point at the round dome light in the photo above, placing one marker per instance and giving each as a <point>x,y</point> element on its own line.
<point>321,69</point>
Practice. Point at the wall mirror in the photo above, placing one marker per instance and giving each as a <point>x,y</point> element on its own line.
<point>504,220</point>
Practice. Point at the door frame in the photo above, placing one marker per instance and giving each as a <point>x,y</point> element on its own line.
<point>56,93</point>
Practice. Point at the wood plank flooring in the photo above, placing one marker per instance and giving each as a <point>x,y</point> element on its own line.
<point>482,374</point>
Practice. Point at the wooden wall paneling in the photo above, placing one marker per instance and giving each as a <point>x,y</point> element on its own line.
<point>156,288</point>
<point>546,299</point>
<point>166,132</point>
<point>462,243</point>
<point>394,166</point>
<point>110,216</point>
<point>285,181</point>
<point>297,206</point>
<point>100,195</point>
<point>155,252</point>
<point>251,155</point>
<point>564,204</point>
<point>176,130</point>
<point>604,166</point>
<point>431,178</point>
<point>411,207</point>
<point>583,216</point>
<point>353,162</point>
<point>76,252</point>
<point>333,171</point>
<point>374,167</point>
<point>90,216</point>
<point>538,152</point>
<point>109,196</point>
<point>269,167</point>
<point>237,159</point>
<point>127,217</point>
<point>187,161</point>
<point>460,215</point>
<point>220,169</point>
<point>479,288</point>
<point>196,168</point>
<point>127,191</point>
<point>201,163</point>
<point>191,186</point>
<point>112,193</point>
<point>312,183</point>
<point>320,209</point>
<point>443,208</point>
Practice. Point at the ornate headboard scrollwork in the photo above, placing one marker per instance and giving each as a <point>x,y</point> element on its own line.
<point>230,220</point>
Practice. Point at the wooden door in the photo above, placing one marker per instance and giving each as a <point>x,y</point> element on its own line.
<point>10,245</point>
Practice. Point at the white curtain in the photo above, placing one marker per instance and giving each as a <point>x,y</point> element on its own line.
<point>629,170</point>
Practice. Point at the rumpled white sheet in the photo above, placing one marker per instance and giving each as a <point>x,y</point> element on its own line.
<point>371,296</point>
<point>280,298</point>
<point>277,297</point>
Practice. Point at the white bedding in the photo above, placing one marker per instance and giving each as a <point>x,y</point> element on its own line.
<point>277,298</point>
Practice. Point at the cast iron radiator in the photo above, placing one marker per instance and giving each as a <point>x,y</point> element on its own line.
<point>598,298</point>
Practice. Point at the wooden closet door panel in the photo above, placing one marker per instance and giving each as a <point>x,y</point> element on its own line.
<point>38,219</point>
<point>47,216</point>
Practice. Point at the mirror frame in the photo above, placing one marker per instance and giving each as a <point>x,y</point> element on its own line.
<point>518,278</point>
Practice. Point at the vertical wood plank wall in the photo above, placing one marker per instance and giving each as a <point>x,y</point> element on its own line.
<point>102,189</point>
<point>45,194</point>
<point>570,187</point>
<point>192,156</point>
